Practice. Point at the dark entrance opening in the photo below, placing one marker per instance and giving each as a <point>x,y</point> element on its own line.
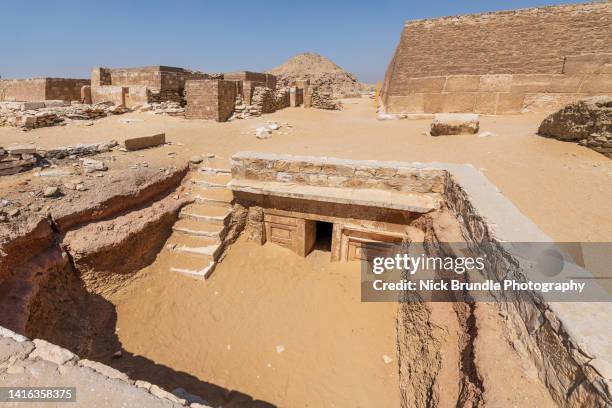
<point>323,240</point>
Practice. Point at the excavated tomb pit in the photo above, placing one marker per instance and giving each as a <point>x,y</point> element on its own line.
<point>237,284</point>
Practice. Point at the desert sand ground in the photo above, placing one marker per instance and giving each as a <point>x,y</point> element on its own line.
<point>251,326</point>
<point>564,188</point>
<point>286,330</point>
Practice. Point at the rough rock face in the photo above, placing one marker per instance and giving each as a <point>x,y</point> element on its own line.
<point>588,122</point>
<point>322,73</point>
<point>454,124</point>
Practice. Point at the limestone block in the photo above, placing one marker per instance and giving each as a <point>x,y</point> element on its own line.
<point>426,84</point>
<point>597,84</point>
<point>462,83</point>
<point>21,149</point>
<point>51,352</point>
<point>486,103</point>
<point>588,64</point>
<point>509,102</point>
<point>495,83</point>
<point>137,143</point>
<point>432,102</point>
<point>104,369</point>
<point>413,102</point>
<point>458,102</point>
<point>547,102</point>
<point>533,83</point>
<point>454,124</point>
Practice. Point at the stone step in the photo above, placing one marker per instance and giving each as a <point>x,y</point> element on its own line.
<point>195,270</point>
<point>199,229</point>
<point>192,241</point>
<point>212,251</point>
<point>222,178</point>
<point>214,194</point>
<point>189,264</point>
<point>216,214</point>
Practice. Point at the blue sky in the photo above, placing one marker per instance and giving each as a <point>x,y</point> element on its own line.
<point>67,38</point>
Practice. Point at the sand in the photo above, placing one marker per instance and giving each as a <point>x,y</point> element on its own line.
<point>564,188</point>
<point>286,330</point>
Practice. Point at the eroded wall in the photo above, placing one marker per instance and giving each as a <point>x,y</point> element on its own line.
<point>143,84</point>
<point>502,62</point>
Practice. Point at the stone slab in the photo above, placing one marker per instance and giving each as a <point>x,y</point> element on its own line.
<point>21,149</point>
<point>411,202</point>
<point>143,142</point>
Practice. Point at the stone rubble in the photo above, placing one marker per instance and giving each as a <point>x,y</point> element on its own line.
<point>15,159</point>
<point>78,150</point>
<point>265,100</point>
<point>265,131</point>
<point>588,122</point>
<point>32,115</point>
<point>170,108</point>
<point>325,100</point>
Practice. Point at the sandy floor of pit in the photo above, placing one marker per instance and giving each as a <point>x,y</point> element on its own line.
<point>562,187</point>
<point>253,327</point>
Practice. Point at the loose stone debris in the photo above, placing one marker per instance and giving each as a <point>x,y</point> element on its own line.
<point>588,122</point>
<point>32,115</point>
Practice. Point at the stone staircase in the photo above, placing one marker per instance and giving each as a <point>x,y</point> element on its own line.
<point>196,243</point>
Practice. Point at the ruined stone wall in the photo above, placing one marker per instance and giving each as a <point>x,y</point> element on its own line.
<point>267,80</point>
<point>210,99</point>
<point>147,84</point>
<point>40,89</point>
<point>503,62</point>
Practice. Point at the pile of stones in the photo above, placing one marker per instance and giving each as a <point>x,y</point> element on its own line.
<point>32,115</point>
<point>325,100</point>
<point>244,111</point>
<point>170,108</point>
<point>263,99</point>
<point>281,98</point>
<point>15,159</point>
<point>79,150</point>
<point>588,122</point>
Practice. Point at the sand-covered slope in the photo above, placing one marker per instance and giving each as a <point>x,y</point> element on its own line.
<point>321,71</point>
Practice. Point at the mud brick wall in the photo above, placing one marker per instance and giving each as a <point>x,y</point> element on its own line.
<point>512,44</point>
<point>40,89</point>
<point>64,89</point>
<point>210,99</point>
<point>31,89</point>
<point>109,93</point>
